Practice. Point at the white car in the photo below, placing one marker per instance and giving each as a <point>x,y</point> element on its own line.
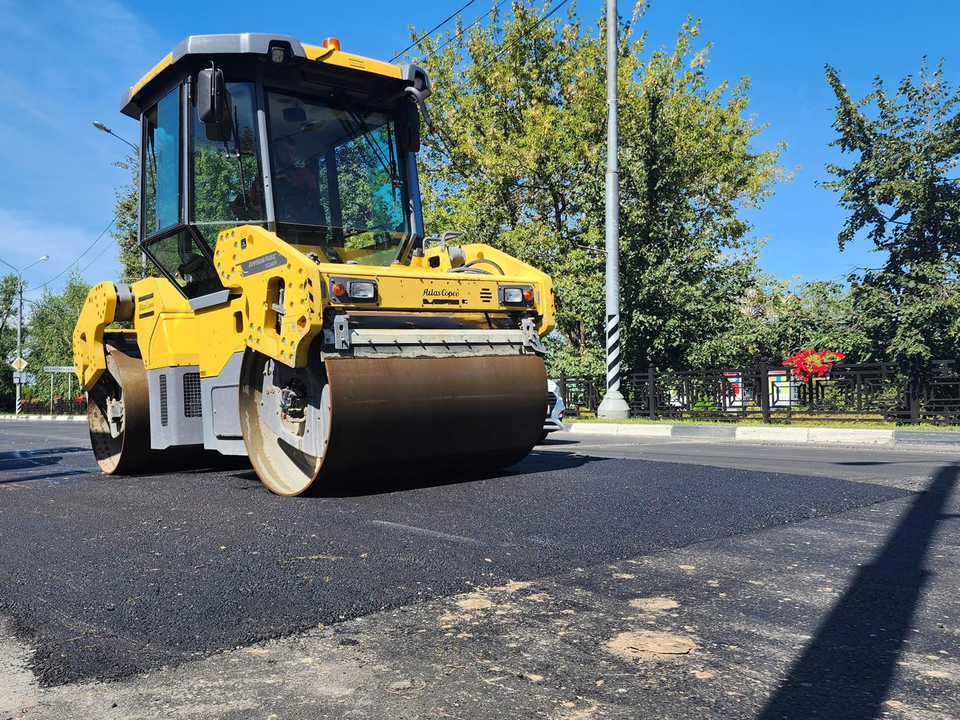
<point>555,410</point>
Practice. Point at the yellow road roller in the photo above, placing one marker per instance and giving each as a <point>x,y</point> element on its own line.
<point>303,318</point>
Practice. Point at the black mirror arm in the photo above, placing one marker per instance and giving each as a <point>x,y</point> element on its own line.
<point>420,96</point>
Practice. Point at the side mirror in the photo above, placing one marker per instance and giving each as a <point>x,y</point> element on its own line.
<point>210,95</point>
<point>408,126</point>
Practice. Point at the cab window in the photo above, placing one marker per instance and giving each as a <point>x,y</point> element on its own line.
<point>226,181</point>
<point>181,259</point>
<point>161,164</point>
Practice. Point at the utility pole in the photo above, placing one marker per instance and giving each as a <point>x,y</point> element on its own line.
<point>613,404</point>
<point>19,380</point>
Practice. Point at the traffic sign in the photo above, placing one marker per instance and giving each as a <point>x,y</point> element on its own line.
<point>19,364</point>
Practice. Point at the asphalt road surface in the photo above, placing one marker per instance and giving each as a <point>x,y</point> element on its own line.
<point>597,578</point>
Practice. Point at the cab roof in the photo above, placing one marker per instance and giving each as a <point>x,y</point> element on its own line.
<point>257,44</point>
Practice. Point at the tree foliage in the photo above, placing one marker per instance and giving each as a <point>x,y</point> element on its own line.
<point>902,193</point>
<point>50,340</point>
<point>776,320</point>
<point>126,228</point>
<point>518,158</point>
<point>8,337</point>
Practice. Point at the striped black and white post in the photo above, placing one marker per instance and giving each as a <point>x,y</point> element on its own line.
<point>613,404</point>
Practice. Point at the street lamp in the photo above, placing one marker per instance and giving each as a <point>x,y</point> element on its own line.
<point>103,128</point>
<point>20,273</point>
<point>613,405</point>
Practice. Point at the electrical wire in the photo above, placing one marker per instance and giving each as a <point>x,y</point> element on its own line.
<point>473,24</point>
<point>521,36</point>
<point>432,30</point>
<point>89,248</point>
<point>105,248</point>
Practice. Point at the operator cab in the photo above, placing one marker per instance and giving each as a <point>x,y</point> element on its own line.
<point>312,143</point>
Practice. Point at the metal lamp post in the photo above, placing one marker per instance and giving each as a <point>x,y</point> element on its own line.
<point>103,128</point>
<point>613,405</point>
<point>19,381</point>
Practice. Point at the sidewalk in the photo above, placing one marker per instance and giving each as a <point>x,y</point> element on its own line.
<point>793,435</point>
<point>48,418</point>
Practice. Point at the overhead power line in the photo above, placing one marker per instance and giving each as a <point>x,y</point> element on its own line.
<point>105,248</point>
<point>523,34</point>
<point>432,30</point>
<point>473,24</point>
<point>89,248</point>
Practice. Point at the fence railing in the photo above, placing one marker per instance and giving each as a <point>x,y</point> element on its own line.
<point>890,392</point>
<point>57,407</point>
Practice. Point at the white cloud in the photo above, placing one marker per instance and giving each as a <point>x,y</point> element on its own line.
<point>26,238</point>
<point>67,64</point>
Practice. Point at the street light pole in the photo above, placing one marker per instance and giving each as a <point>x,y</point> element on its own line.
<point>103,128</point>
<point>19,381</point>
<point>613,404</point>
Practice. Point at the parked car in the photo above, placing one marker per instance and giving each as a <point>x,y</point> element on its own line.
<point>555,410</point>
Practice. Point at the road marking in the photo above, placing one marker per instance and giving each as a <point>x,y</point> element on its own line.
<point>437,534</point>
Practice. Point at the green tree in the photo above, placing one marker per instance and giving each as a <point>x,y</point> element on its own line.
<point>774,321</point>
<point>517,161</point>
<point>903,195</point>
<point>50,337</point>
<point>8,337</point>
<point>126,228</point>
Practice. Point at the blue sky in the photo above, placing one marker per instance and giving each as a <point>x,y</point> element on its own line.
<point>67,62</point>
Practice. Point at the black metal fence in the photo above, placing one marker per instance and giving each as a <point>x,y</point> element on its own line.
<point>57,407</point>
<point>890,392</point>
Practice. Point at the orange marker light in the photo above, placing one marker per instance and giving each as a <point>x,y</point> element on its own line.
<point>528,295</point>
<point>331,43</point>
<point>339,289</point>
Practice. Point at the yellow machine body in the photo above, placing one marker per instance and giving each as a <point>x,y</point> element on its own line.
<point>170,333</point>
<point>308,349</point>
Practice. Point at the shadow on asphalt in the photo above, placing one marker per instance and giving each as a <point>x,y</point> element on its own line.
<point>45,476</point>
<point>379,483</point>
<point>25,459</point>
<point>866,463</point>
<point>846,670</point>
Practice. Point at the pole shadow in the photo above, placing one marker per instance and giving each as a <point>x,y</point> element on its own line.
<point>846,670</point>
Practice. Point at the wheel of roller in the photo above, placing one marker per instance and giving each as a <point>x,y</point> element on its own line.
<point>118,412</point>
<point>277,439</point>
<point>357,421</point>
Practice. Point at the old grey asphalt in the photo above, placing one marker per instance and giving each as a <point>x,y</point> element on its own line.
<point>772,562</point>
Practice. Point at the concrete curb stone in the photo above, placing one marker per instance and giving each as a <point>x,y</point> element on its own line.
<point>851,436</point>
<point>925,437</point>
<point>796,435</point>
<point>44,418</point>
<point>714,432</point>
<point>768,434</point>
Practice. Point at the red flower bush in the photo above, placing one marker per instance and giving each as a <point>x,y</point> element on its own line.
<point>809,364</point>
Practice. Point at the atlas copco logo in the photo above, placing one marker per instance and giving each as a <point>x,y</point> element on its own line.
<point>441,297</point>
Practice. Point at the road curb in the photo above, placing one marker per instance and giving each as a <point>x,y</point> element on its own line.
<point>44,418</point>
<point>794,435</point>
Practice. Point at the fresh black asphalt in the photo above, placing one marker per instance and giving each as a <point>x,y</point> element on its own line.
<point>111,576</point>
